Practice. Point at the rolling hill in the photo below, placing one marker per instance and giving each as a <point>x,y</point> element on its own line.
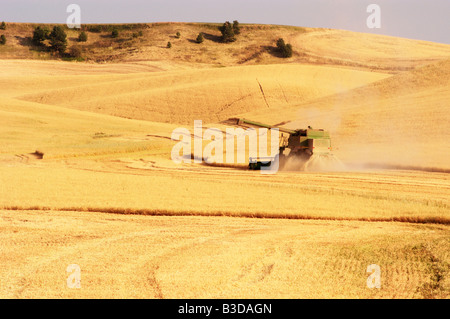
<point>254,45</point>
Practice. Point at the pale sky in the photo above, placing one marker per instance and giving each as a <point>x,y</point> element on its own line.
<point>415,19</point>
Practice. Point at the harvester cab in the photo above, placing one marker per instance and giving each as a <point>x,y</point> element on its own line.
<point>307,142</point>
<point>301,144</point>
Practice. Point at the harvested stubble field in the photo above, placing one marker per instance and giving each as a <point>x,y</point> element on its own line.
<point>107,196</point>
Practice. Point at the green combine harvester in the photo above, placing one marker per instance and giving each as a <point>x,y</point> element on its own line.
<point>301,144</point>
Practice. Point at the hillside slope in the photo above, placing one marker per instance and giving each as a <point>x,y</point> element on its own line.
<point>211,95</point>
<point>255,45</point>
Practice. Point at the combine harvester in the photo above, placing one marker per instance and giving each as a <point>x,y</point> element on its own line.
<point>303,149</point>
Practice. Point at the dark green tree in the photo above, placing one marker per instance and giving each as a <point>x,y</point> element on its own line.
<point>284,49</point>
<point>199,38</point>
<point>169,45</point>
<point>280,44</point>
<point>58,39</point>
<point>3,25</point>
<point>115,33</point>
<point>40,35</point>
<point>178,35</point>
<point>236,27</point>
<point>227,32</point>
<point>2,39</point>
<point>288,51</point>
<point>82,37</point>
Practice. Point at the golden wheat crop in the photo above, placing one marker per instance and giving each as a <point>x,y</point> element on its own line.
<point>86,175</point>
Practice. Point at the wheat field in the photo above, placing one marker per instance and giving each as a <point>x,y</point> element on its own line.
<point>86,175</point>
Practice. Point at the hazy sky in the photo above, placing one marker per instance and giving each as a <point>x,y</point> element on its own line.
<point>415,19</point>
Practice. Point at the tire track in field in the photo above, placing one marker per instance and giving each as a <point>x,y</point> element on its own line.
<point>133,269</point>
<point>39,263</point>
